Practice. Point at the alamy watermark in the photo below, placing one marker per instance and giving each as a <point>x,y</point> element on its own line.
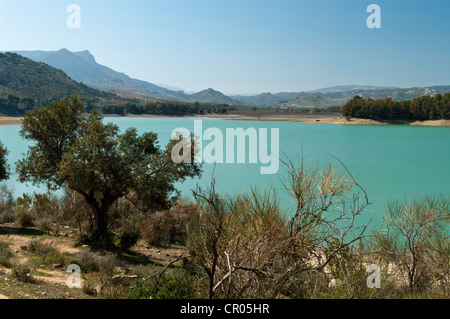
<point>74,280</point>
<point>74,19</point>
<point>237,146</point>
<point>374,20</point>
<point>374,280</point>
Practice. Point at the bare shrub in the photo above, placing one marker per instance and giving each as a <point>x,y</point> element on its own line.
<point>240,242</point>
<point>90,261</point>
<point>5,254</point>
<point>47,210</point>
<point>161,228</point>
<point>248,249</point>
<point>7,212</point>
<point>25,217</point>
<point>89,288</point>
<point>416,241</point>
<point>45,253</point>
<point>76,212</point>
<point>22,273</point>
<point>8,216</point>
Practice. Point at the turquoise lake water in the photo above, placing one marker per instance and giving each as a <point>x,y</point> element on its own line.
<point>390,162</point>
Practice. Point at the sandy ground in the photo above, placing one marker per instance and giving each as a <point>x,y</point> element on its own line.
<point>4,120</point>
<point>57,276</point>
<point>18,244</point>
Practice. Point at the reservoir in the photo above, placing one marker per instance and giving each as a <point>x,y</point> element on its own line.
<point>388,161</point>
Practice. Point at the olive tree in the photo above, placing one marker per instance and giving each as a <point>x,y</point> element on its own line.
<point>96,160</point>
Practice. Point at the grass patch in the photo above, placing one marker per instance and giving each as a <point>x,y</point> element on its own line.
<point>5,254</point>
<point>90,261</point>
<point>45,254</point>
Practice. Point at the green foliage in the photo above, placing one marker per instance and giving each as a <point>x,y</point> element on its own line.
<point>25,217</point>
<point>25,84</point>
<point>129,238</point>
<point>52,128</point>
<point>178,286</point>
<point>4,167</point>
<point>5,254</point>
<point>420,108</point>
<point>166,108</point>
<point>45,253</point>
<point>7,203</point>
<point>90,261</point>
<point>168,227</point>
<point>417,242</point>
<point>89,288</point>
<point>21,273</point>
<point>97,161</point>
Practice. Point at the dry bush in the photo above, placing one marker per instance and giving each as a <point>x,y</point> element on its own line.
<point>417,243</point>
<point>89,261</point>
<point>7,211</point>
<point>5,254</point>
<point>163,228</point>
<point>22,273</point>
<point>241,244</point>
<point>25,217</point>
<point>249,250</point>
<point>45,253</point>
<point>47,209</point>
<point>76,213</point>
<point>89,288</point>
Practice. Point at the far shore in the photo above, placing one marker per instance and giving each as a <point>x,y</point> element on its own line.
<point>6,120</point>
<point>352,121</point>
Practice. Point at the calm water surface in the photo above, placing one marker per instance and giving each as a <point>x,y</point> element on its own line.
<point>389,161</point>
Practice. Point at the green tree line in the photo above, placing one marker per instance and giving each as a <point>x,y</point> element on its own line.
<point>421,108</point>
<point>166,108</point>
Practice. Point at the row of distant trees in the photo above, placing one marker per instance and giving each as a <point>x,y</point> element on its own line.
<point>16,106</point>
<point>13,105</point>
<point>166,108</point>
<point>421,108</point>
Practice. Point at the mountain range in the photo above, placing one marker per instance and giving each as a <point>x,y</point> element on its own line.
<point>82,67</point>
<point>33,83</point>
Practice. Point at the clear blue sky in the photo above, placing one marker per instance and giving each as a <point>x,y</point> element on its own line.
<point>245,46</point>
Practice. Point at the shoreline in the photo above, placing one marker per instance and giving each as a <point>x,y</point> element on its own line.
<point>352,121</point>
<point>10,121</point>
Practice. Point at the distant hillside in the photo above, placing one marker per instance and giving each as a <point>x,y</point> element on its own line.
<point>338,95</point>
<point>82,67</point>
<point>440,89</point>
<point>25,84</point>
<point>209,96</point>
<point>265,99</point>
<point>309,100</point>
<point>349,88</point>
<point>396,94</point>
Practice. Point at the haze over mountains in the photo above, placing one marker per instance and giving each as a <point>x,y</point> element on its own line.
<point>82,67</point>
